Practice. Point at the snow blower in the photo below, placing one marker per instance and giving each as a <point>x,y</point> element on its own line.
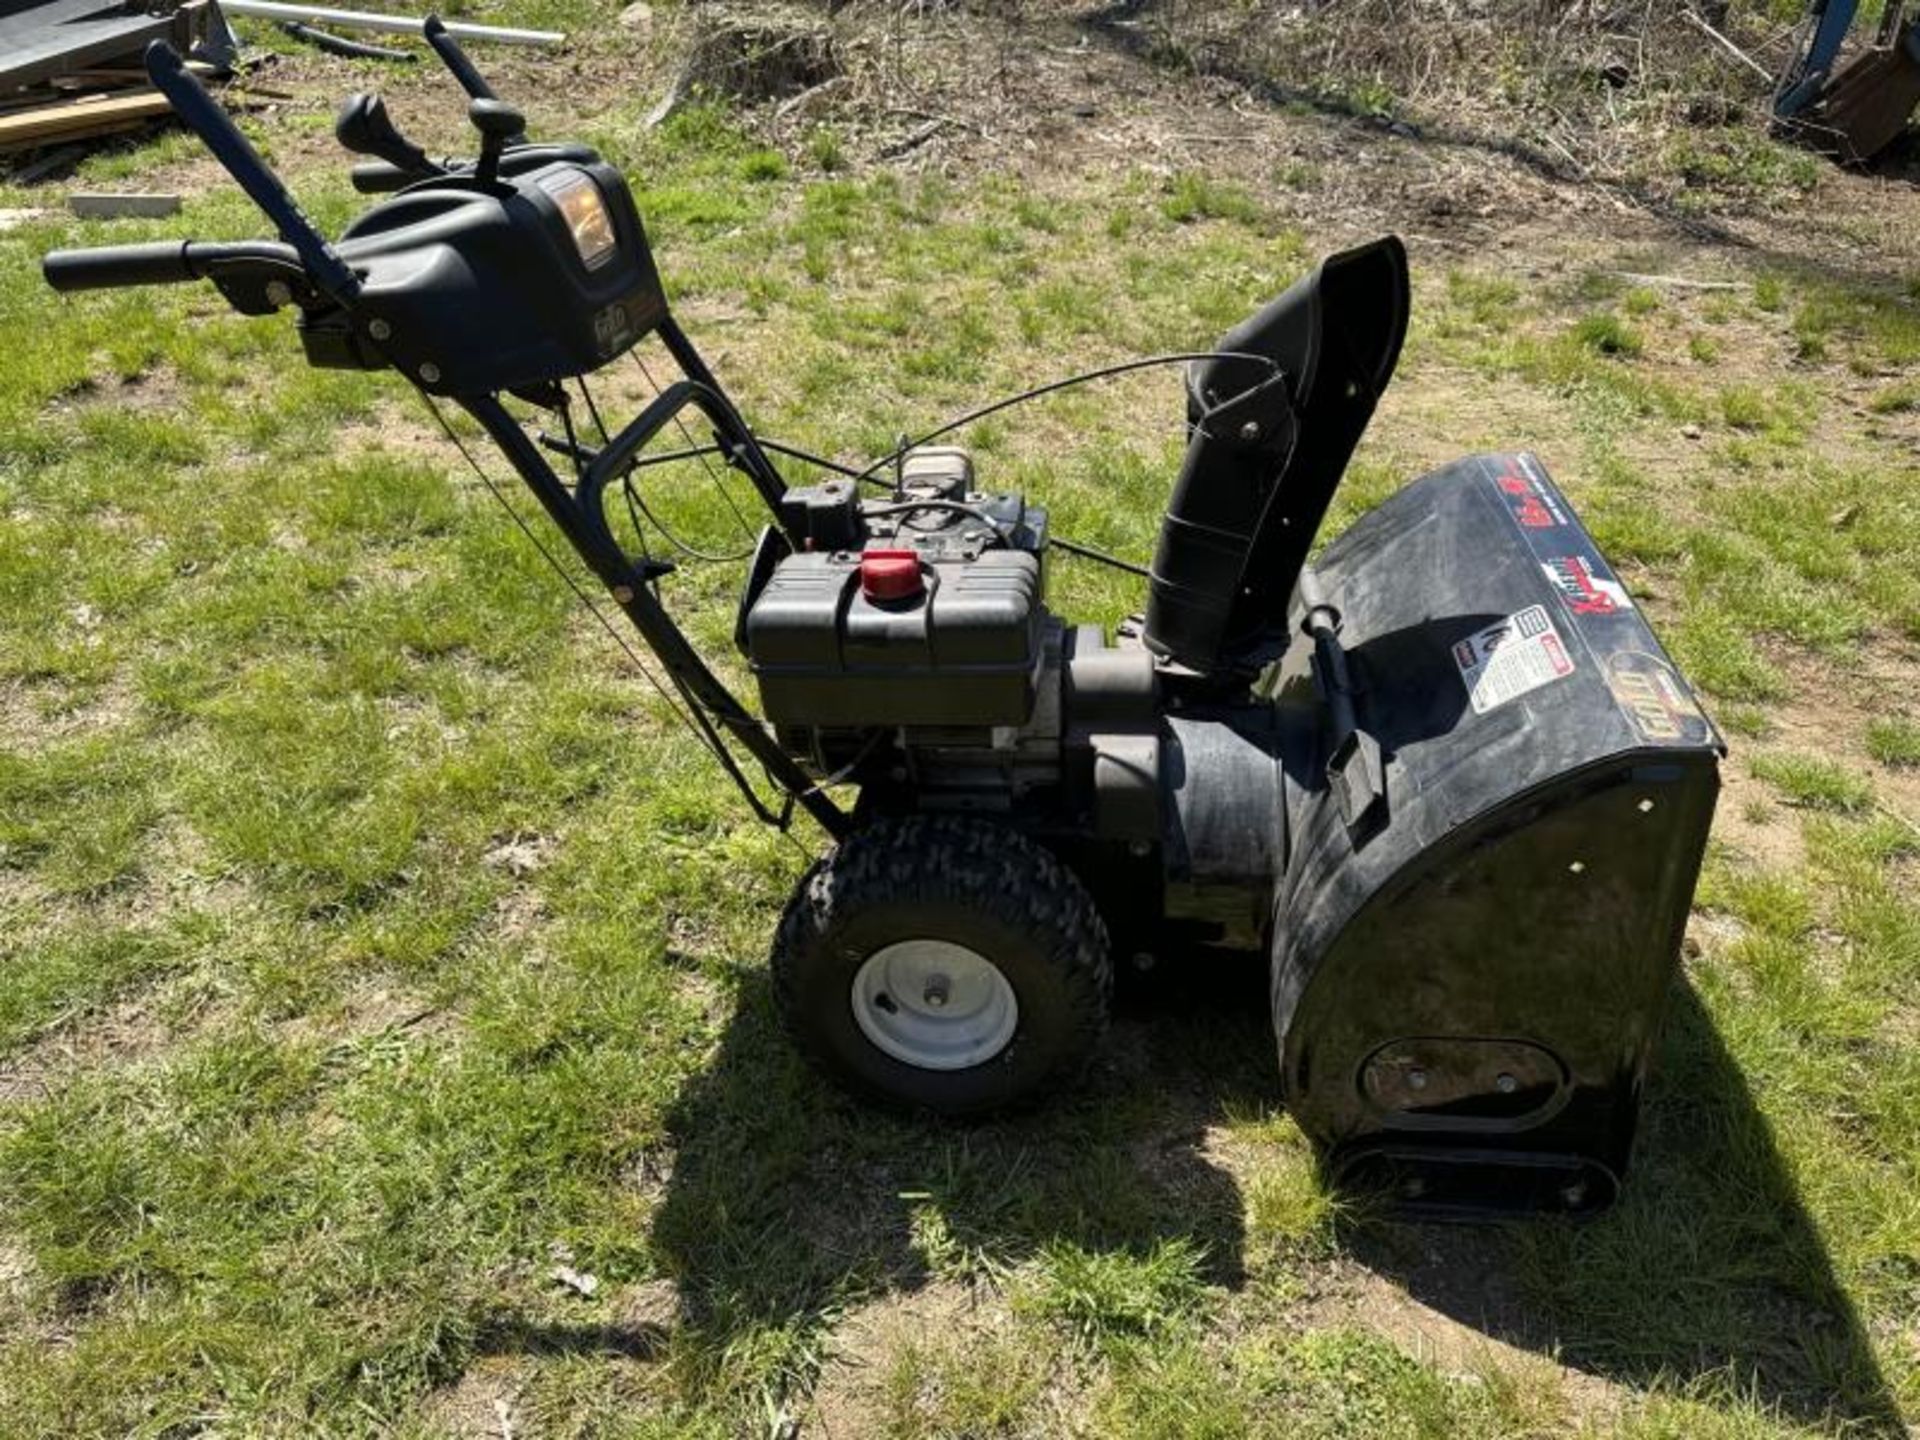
<point>1442,775</point>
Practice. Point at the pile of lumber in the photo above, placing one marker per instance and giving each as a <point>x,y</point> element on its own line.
<point>71,70</point>
<point>59,122</point>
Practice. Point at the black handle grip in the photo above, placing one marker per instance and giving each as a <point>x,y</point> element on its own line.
<point>455,59</point>
<point>163,262</point>
<point>365,128</point>
<point>376,177</point>
<point>107,267</point>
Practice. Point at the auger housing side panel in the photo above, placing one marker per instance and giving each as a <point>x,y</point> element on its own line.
<point>1485,968</point>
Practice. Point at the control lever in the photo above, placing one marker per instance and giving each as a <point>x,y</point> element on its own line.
<point>364,127</point>
<point>192,103</point>
<point>497,122</point>
<point>1356,769</point>
<point>455,59</point>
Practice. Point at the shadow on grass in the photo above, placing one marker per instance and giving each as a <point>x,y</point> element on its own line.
<point>1708,1267</point>
<point>788,1200</point>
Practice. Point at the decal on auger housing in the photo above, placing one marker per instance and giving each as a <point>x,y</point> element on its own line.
<point>1444,777</point>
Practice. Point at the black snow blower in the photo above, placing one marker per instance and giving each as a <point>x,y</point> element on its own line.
<point>1444,777</point>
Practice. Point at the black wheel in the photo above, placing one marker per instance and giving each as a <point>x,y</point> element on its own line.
<point>942,964</point>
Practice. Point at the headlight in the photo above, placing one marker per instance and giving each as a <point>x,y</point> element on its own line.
<point>585,211</point>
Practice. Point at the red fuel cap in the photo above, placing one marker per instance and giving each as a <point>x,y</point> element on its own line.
<point>890,575</point>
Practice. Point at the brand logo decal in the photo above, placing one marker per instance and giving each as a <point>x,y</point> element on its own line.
<point>1531,506</point>
<point>1587,593</point>
<point>612,328</point>
<point>1654,699</point>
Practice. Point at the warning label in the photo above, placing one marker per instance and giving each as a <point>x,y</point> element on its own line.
<point>1505,661</point>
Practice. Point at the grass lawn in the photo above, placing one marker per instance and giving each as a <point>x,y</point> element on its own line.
<point>378,962</point>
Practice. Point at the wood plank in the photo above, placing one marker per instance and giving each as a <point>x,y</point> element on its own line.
<point>28,58</point>
<point>81,117</point>
<point>125,74</point>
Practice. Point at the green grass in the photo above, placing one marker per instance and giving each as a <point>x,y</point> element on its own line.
<point>1609,334</point>
<point>1894,740</point>
<point>1108,1295</point>
<point>372,942</point>
<point>1814,781</point>
<point>1195,197</point>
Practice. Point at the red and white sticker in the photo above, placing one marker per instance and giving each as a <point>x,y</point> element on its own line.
<point>1587,591</point>
<point>1505,661</point>
<point>1531,506</point>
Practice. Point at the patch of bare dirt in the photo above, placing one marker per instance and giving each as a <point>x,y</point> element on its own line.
<point>400,428</point>
<point>520,854</point>
<point>181,872</point>
<point>156,391</point>
<point>1826,713</point>
<point>1832,702</point>
<point>18,1273</point>
<point>1752,823</point>
<point>483,1404</point>
<point>650,1307</point>
<point>374,1008</point>
<point>136,1030</point>
<point>1349,1293</point>
<point>849,1398</point>
<point>1900,1029</point>
<point>517,920</point>
<point>34,714</point>
<point>16,1267</point>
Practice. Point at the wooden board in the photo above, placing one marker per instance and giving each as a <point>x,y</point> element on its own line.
<point>70,121</point>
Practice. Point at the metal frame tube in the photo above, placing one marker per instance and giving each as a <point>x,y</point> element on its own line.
<point>593,540</point>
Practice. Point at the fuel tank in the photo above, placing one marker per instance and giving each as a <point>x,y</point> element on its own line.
<point>1498,789</point>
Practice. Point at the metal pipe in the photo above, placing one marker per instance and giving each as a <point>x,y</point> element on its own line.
<point>394,24</point>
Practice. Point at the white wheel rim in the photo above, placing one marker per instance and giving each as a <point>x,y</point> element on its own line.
<point>934,1005</point>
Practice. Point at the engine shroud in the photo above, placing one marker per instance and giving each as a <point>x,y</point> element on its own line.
<point>923,609</point>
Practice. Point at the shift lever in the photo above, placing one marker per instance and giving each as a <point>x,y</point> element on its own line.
<point>497,122</point>
<point>364,127</point>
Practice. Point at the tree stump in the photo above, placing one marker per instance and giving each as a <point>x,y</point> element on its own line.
<point>751,55</point>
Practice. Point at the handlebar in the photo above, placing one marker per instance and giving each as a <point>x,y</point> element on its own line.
<point>398,171</point>
<point>222,137</point>
<point>163,262</point>
<point>377,177</point>
<point>305,253</point>
<point>455,59</point>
